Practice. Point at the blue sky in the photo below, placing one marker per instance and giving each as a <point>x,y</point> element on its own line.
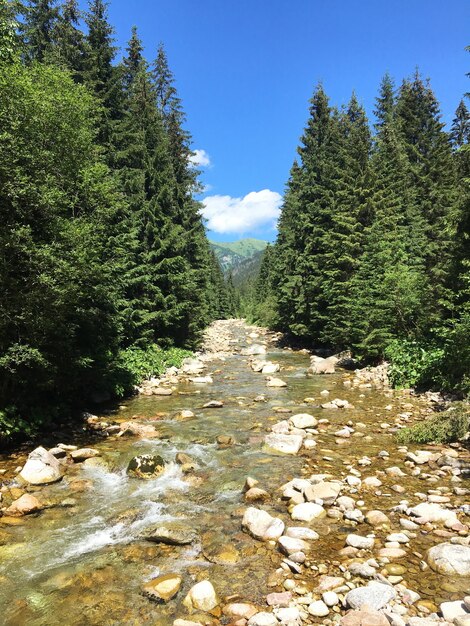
<point>246,69</point>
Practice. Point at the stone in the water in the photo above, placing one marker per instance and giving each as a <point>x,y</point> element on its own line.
<point>325,491</point>
<point>41,468</point>
<point>261,525</point>
<point>451,559</point>
<point>239,610</point>
<point>162,391</point>
<point>303,420</point>
<point>24,505</point>
<point>357,541</point>
<point>263,619</point>
<point>213,404</point>
<point>254,350</point>
<point>287,444</point>
<point>170,536</point>
<point>270,368</point>
<point>163,588</point>
<point>184,415</point>
<point>201,597</point>
<point>289,545</point>
<point>255,494</point>
<point>84,453</point>
<point>146,466</point>
<point>275,382</point>
<point>375,595</point>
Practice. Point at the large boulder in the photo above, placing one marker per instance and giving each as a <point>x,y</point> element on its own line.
<point>287,444</point>
<point>41,468</point>
<point>450,559</point>
<point>318,365</point>
<point>146,466</point>
<point>260,525</point>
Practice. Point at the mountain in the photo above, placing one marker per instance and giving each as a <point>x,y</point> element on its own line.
<point>232,255</point>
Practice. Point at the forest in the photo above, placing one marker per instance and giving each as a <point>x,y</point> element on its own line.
<point>106,271</point>
<point>372,253</point>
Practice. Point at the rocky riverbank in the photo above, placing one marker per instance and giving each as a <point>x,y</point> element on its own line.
<point>253,487</point>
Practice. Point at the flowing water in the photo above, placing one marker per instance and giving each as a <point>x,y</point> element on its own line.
<point>83,561</point>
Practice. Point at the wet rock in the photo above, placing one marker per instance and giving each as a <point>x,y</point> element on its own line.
<point>364,618</point>
<point>261,525</point>
<point>307,511</point>
<point>144,431</point>
<point>286,444</point>
<point>84,453</point>
<point>327,583</point>
<point>362,569</point>
<point>240,610</point>
<point>303,420</point>
<point>184,415</point>
<point>289,545</point>
<point>318,609</point>
<point>170,536</point>
<point>377,518</point>
<point>318,365</point>
<point>163,588</point>
<point>270,368</point>
<point>362,543</point>
<point>263,619</point>
<point>213,404</point>
<point>325,491</point>
<point>279,599</point>
<point>257,495</point>
<point>41,468</point>
<point>299,532</point>
<point>24,505</point>
<point>162,391</point>
<point>202,380</point>
<point>392,553</point>
<point>375,596</point>
<point>451,559</point>
<point>146,466</point>
<point>183,459</point>
<point>225,440</point>
<point>275,382</point>
<point>201,597</point>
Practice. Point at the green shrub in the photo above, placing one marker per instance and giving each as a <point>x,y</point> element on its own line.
<point>446,427</point>
<point>413,365</point>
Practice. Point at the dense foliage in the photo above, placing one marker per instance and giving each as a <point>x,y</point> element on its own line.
<point>103,251</point>
<point>446,427</point>
<point>373,245</point>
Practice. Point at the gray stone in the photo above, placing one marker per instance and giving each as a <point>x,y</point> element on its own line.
<point>449,558</point>
<point>41,468</point>
<point>375,595</point>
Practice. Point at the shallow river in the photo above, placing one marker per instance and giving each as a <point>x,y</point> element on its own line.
<point>83,562</point>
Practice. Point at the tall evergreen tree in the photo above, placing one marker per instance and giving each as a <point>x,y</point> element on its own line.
<point>40,19</point>
<point>460,129</point>
<point>69,42</point>
<point>385,102</point>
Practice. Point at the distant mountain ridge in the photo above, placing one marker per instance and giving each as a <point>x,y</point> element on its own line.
<point>233,254</point>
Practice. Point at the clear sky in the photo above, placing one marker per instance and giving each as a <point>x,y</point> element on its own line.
<point>246,69</point>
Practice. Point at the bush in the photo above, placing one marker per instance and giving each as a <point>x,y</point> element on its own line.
<point>446,427</point>
<point>139,364</point>
<point>413,365</point>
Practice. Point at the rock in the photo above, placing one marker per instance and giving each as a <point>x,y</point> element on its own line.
<point>213,404</point>
<point>257,495</point>
<point>24,505</point>
<point>182,458</point>
<point>184,415</point>
<point>357,541</point>
<point>364,618</point>
<point>375,595</point>
<point>146,466</point>
<point>327,583</point>
<point>84,453</point>
<point>330,598</point>
<point>451,559</point>
<point>163,588</point>
<point>433,512</point>
<point>261,525</point>
<point>202,380</point>
<point>201,597</point>
<point>225,440</point>
<point>289,616</point>
<point>362,569</point>
<point>286,444</point>
<point>451,610</point>
<point>325,491</point>
<point>392,553</point>
<point>377,518</point>
<point>398,537</point>
<point>299,532</point>
<point>303,420</point>
<point>250,483</point>
<point>307,511</point>
<point>239,610</point>
<point>322,366</point>
<point>289,545</point>
<point>59,453</point>
<point>254,350</point>
<point>41,468</point>
<point>275,382</point>
<point>318,609</point>
<point>263,619</point>
<point>161,391</point>
<point>144,431</point>
<point>279,599</point>
<point>170,536</point>
<point>270,368</point>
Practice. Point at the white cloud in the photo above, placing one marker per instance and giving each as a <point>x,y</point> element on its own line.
<point>257,209</point>
<point>200,158</point>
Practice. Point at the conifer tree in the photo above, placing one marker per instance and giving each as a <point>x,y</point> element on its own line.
<point>40,19</point>
<point>69,42</point>
<point>385,102</point>
<point>460,129</point>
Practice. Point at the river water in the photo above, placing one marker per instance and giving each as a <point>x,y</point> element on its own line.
<point>82,561</point>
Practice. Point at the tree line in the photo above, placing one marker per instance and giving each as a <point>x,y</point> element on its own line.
<point>103,250</point>
<point>373,247</point>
